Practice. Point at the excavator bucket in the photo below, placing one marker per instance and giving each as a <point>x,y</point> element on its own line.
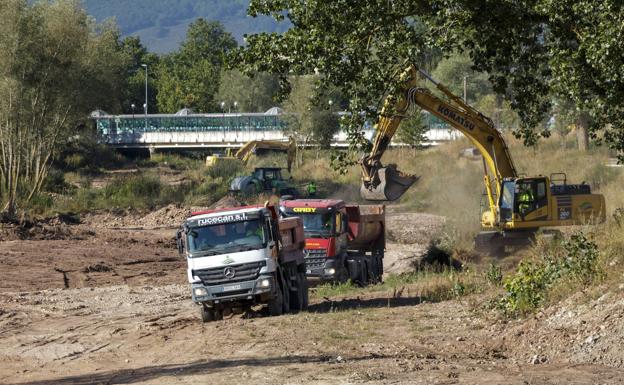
<point>389,184</point>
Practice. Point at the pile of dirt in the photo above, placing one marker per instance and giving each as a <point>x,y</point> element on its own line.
<point>170,215</point>
<point>413,228</point>
<point>166,217</point>
<point>409,237</point>
<point>578,331</point>
<point>58,227</point>
<point>226,201</point>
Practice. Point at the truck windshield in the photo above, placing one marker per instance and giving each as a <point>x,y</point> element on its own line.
<point>227,238</point>
<point>318,224</point>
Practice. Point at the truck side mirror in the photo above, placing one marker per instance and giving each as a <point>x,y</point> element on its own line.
<point>180,242</point>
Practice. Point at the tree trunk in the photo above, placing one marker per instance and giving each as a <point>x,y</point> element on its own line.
<point>582,136</point>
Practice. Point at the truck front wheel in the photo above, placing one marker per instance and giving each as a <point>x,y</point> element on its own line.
<point>208,314</point>
<point>276,303</point>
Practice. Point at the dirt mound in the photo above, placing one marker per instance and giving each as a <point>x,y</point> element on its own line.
<point>54,228</point>
<point>165,217</point>
<point>409,238</point>
<point>170,215</point>
<point>577,331</point>
<point>226,201</point>
<point>413,228</point>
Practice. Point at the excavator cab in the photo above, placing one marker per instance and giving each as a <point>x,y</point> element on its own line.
<point>386,184</point>
<point>525,199</point>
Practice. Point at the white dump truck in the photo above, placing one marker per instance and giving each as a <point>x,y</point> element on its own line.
<point>244,256</point>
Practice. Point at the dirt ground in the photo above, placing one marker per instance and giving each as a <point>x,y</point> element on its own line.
<point>95,304</point>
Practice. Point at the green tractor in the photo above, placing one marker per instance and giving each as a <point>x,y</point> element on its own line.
<point>263,179</point>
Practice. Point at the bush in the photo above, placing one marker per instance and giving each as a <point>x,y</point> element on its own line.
<point>55,182</point>
<point>576,262</point>
<point>225,169</point>
<point>208,192</point>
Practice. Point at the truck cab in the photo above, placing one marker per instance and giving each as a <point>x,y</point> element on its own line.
<point>342,241</point>
<point>240,257</point>
<point>325,231</point>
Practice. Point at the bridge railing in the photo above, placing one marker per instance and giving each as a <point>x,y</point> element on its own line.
<point>217,130</point>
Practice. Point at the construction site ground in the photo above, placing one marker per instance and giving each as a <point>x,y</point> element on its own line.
<point>106,302</point>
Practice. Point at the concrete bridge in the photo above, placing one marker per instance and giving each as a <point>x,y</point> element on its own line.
<point>215,132</point>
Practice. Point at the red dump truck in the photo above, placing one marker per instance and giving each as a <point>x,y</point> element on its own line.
<point>342,241</point>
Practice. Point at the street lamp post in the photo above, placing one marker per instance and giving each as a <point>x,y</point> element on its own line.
<point>145,105</point>
<point>133,106</point>
<point>223,119</point>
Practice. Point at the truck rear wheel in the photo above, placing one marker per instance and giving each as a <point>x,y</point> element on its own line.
<point>304,281</point>
<point>377,269</point>
<point>297,301</point>
<point>285,298</point>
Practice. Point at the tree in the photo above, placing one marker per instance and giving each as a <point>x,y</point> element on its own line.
<point>532,50</point>
<point>134,90</point>
<point>453,70</point>
<point>190,77</point>
<point>412,130</point>
<point>56,67</point>
<point>253,94</point>
<point>309,116</point>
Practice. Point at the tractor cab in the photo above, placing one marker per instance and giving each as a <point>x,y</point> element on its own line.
<point>268,175</point>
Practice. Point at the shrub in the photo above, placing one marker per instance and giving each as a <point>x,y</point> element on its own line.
<point>576,261</point>
<point>55,182</point>
<point>225,169</point>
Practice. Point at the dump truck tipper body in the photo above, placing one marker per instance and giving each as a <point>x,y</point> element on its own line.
<point>342,241</point>
<point>244,256</point>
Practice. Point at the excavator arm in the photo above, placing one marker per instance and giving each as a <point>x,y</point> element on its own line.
<point>249,148</point>
<point>244,153</point>
<point>387,183</point>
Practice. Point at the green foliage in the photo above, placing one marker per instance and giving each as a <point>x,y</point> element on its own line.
<point>310,116</point>
<point>162,24</point>
<point>451,72</point>
<point>494,275</point>
<point>531,50</point>
<point>134,90</point>
<point>57,66</point>
<point>412,130</point>
<point>252,94</point>
<point>133,191</point>
<point>225,169</point>
<point>190,77</point>
<point>55,182</point>
<point>576,262</point>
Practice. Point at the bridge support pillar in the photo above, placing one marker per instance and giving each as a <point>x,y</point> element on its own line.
<point>152,151</point>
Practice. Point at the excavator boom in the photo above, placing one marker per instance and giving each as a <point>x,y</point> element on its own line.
<point>387,183</point>
<point>248,149</point>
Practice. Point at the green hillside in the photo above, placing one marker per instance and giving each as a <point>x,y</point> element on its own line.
<point>162,24</point>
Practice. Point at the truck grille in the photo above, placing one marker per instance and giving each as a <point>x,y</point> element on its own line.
<point>315,259</point>
<point>242,272</point>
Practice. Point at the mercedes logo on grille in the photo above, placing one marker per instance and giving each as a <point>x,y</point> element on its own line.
<point>229,272</point>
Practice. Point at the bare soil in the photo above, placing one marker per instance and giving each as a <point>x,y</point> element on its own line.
<point>95,305</point>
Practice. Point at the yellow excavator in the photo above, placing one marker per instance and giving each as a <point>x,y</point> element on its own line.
<point>248,149</point>
<point>517,206</point>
